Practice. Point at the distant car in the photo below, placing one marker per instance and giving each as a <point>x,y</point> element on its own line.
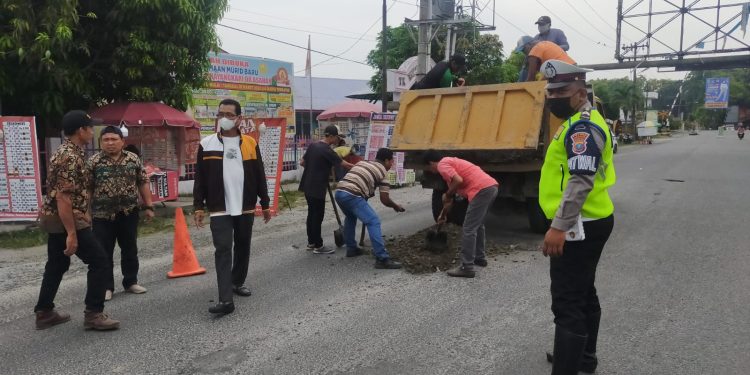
<point>693,132</point>
<point>729,127</point>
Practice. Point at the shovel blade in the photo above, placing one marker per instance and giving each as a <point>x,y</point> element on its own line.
<point>338,237</point>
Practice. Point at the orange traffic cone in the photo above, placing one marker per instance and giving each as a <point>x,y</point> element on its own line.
<point>184,261</point>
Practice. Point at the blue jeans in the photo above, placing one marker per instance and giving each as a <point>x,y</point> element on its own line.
<point>355,207</point>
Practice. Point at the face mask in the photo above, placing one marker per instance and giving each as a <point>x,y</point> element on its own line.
<point>560,107</point>
<point>543,28</point>
<point>226,124</point>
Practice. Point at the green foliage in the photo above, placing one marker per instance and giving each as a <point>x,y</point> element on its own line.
<point>619,94</point>
<point>512,67</point>
<point>484,56</point>
<point>63,54</point>
<point>694,95</point>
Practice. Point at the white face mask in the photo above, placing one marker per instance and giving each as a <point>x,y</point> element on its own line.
<point>543,28</point>
<point>226,124</point>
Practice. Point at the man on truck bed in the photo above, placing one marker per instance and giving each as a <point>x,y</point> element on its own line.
<point>443,74</point>
<point>573,193</point>
<point>537,53</point>
<point>470,181</point>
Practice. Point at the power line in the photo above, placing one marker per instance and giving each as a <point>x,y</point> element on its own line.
<point>588,24</point>
<point>291,44</point>
<point>356,42</point>
<point>523,32</point>
<point>291,20</point>
<point>568,25</point>
<point>603,20</point>
<point>293,29</point>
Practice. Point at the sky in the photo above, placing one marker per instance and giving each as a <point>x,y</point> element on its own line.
<point>348,28</point>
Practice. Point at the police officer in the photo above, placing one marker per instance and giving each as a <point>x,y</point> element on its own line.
<point>573,193</point>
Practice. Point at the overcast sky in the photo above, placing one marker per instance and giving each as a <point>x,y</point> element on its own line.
<point>350,27</point>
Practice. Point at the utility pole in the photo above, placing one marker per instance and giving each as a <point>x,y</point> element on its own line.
<point>423,43</point>
<point>384,51</point>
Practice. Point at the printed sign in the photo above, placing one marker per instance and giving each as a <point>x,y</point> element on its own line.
<point>381,132</point>
<point>20,185</point>
<point>271,144</point>
<point>717,92</point>
<point>263,88</point>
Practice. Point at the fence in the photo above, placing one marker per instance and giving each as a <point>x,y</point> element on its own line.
<point>293,151</point>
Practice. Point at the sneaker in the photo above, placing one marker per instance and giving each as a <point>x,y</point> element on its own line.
<point>461,271</point>
<point>48,318</point>
<point>355,252</point>
<point>99,321</point>
<point>108,295</point>
<point>222,308</point>
<point>387,264</point>
<point>136,289</point>
<point>324,250</point>
<point>310,246</point>
<point>480,262</point>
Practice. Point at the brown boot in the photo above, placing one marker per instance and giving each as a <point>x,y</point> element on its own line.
<point>99,321</point>
<point>461,271</point>
<point>48,318</point>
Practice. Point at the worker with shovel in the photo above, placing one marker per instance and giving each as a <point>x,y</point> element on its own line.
<point>352,193</point>
<point>480,189</point>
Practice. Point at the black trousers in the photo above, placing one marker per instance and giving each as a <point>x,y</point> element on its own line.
<point>123,230</point>
<point>91,253</point>
<point>574,298</point>
<point>316,209</point>
<point>231,270</point>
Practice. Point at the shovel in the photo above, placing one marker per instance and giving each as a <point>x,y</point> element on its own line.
<point>437,240</point>
<point>338,234</point>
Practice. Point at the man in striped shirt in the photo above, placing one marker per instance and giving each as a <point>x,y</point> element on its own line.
<point>352,193</point>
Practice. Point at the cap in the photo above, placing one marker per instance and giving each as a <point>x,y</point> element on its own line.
<point>543,20</point>
<point>522,42</point>
<point>559,73</point>
<point>459,59</point>
<point>331,130</point>
<point>77,119</point>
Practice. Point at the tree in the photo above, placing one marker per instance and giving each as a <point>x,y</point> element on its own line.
<point>484,56</point>
<point>63,54</point>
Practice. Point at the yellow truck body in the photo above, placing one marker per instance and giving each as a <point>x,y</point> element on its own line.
<point>503,128</point>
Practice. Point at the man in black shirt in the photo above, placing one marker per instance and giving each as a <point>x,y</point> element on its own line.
<point>319,159</point>
<point>443,74</point>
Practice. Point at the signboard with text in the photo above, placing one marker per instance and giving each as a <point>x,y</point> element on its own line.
<point>717,92</point>
<point>263,87</point>
<point>20,185</point>
<point>381,132</point>
<point>270,133</point>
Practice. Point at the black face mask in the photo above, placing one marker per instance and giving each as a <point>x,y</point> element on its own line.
<point>560,107</point>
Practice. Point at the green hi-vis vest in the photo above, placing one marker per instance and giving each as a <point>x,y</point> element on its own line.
<point>555,173</point>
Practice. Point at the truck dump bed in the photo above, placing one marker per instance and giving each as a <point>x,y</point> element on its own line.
<point>502,117</point>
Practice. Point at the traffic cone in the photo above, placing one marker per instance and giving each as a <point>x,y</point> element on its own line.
<point>184,262</point>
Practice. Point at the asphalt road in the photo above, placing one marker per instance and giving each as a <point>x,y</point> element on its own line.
<point>673,282</point>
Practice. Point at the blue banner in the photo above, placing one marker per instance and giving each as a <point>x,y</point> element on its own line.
<point>717,92</point>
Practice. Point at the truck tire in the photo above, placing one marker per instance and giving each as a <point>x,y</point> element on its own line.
<point>538,222</point>
<point>457,213</point>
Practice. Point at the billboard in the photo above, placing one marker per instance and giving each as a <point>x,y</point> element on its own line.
<point>263,87</point>
<point>717,92</point>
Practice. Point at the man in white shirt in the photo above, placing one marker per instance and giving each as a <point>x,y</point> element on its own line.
<point>229,179</point>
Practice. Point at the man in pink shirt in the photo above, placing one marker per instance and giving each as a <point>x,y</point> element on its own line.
<point>469,181</point>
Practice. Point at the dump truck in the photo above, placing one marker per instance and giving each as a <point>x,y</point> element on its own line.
<point>502,128</point>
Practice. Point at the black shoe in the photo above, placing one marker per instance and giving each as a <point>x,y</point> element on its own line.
<point>568,352</point>
<point>588,362</point>
<point>357,251</point>
<point>242,291</point>
<point>480,262</point>
<point>222,308</point>
<point>461,271</point>
<point>387,264</point>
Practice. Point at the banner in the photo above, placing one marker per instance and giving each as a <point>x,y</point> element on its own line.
<point>20,184</point>
<point>263,87</point>
<point>271,144</point>
<point>381,132</point>
<point>717,92</point>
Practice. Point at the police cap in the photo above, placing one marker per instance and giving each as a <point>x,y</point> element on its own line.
<point>559,73</point>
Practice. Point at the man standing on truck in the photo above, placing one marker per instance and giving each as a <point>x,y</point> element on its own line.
<point>537,53</point>
<point>546,32</point>
<point>480,189</point>
<point>443,74</point>
<point>573,192</point>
